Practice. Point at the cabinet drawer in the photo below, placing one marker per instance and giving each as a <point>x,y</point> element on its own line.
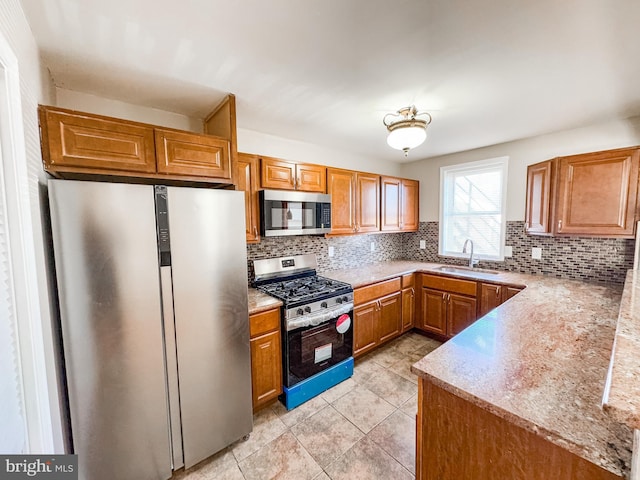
<point>377,290</point>
<point>264,322</point>
<point>408,280</point>
<point>453,285</point>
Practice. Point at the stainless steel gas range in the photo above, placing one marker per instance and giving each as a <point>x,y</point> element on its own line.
<point>317,328</point>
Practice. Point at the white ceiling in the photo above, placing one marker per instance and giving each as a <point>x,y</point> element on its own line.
<point>326,71</point>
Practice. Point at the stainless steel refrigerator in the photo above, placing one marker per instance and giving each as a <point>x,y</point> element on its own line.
<point>152,289</point>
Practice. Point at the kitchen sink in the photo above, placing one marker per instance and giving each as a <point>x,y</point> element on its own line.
<point>466,270</point>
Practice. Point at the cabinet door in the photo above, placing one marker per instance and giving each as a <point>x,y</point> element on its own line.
<point>408,308</point>
<point>275,173</point>
<point>434,313</point>
<point>311,178</point>
<point>367,203</point>
<point>246,181</point>
<point>410,198</point>
<point>597,193</point>
<point>538,198</point>
<point>390,317</point>
<point>508,292</point>
<point>490,297</point>
<point>76,142</point>
<point>461,312</point>
<point>183,153</point>
<point>365,318</point>
<point>266,368</point>
<point>341,187</point>
<point>391,204</point>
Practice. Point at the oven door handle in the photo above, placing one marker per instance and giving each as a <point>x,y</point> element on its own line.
<point>318,317</point>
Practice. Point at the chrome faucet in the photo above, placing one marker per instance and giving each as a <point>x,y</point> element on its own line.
<point>472,261</point>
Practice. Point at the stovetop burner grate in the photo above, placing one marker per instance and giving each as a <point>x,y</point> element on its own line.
<point>303,289</point>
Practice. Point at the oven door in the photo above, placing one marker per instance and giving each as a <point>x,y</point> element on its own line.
<point>310,350</point>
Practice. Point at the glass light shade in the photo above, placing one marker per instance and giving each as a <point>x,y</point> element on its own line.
<point>405,138</point>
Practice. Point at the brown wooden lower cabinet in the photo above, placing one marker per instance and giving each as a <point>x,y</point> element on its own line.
<point>492,295</point>
<point>408,302</point>
<point>377,316</point>
<point>364,328</point>
<point>457,440</point>
<point>390,317</point>
<point>266,357</point>
<point>434,311</point>
<point>461,312</point>
<point>447,305</point>
<point>376,322</point>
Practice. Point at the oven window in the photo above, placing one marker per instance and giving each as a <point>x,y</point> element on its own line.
<point>312,349</point>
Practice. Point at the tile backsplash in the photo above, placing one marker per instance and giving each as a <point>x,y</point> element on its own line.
<point>349,251</point>
<point>596,260</point>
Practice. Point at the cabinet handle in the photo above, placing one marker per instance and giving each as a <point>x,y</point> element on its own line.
<point>559,224</point>
<point>498,291</point>
<point>413,292</point>
<point>298,182</point>
<point>255,232</point>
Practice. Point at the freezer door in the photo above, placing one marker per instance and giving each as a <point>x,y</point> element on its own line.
<point>209,265</point>
<point>106,261</point>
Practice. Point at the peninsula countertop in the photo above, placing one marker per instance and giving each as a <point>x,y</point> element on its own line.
<point>539,360</point>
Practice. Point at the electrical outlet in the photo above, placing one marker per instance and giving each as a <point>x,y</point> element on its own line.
<point>508,251</point>
<point>332,251</point>
<point>423,244</point>
<point>536,253</point>
<point>373,246</point>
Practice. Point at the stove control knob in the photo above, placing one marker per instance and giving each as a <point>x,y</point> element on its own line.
<point>345,299</point>
<point>338,300</point>
<point>307,309</point>
<point>300,311</point>
<point>324,305</point>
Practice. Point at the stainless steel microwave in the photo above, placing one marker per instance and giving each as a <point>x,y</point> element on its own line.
<point>294,213</point>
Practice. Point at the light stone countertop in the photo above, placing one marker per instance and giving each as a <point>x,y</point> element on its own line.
<point>621,398</point>
<point>539,360</point>
<point>261,302</point>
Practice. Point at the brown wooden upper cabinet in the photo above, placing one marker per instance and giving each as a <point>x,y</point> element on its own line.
<point>247,181</point>
<point>355,201</point>
<point>285,175</point>
<point>399,204</point>
<point>592,194</point>
<point>82,143</point>
<point>77,142</point>
<point>183,153</point>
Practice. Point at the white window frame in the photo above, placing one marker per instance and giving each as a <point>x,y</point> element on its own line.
<point>502,162</point>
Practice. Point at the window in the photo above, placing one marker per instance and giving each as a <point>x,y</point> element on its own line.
<point>472,205</point>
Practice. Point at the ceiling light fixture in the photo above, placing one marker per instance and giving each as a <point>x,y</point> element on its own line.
<point>406,131</point>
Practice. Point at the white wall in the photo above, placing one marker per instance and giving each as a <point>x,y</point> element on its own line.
<point>250,141</point>
<point>603,136</point>
<point>89,103</point>
<point>34,319</point>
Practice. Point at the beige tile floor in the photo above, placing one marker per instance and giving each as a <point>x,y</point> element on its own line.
<point>363,428</point>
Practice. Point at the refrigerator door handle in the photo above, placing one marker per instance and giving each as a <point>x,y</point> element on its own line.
<point>171,368</point>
